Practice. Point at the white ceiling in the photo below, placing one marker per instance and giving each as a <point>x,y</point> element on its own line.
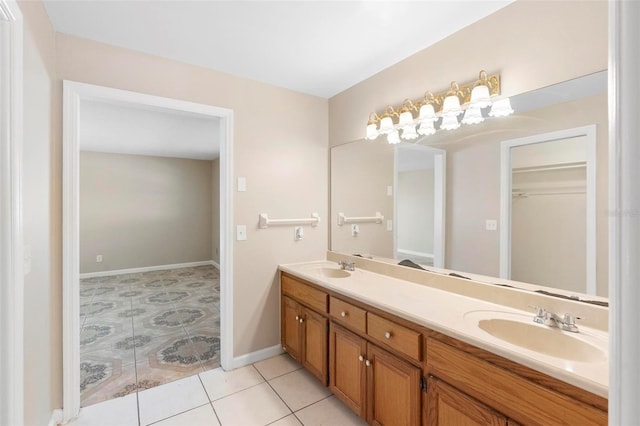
<point>130,129</point>
<point>315,47</point>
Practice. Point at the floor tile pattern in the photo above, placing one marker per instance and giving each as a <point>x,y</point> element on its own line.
<point>141,330</point>
<point>276,392</point>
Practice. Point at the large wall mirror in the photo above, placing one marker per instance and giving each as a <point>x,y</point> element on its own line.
<point>440,201</point>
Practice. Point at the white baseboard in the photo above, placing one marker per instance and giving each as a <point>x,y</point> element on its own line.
<point>215,264</point>
<point>250,358</point>
<point>56,418</point>
<point>148,268</point>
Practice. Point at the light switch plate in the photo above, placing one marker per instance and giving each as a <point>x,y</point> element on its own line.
<point>389,190</point>
<point>242,184</point>
<point>491,225</point>
<point>389,225</point>
<point>241,232</point>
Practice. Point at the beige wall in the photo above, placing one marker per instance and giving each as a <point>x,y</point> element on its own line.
<point>531,43</point>
<point>138,211</point>
<point>360,174</point>
<point>415,208</point>
<point>42,315</point>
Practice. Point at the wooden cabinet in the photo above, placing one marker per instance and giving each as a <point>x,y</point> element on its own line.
<point>305,331</point>
<point>375,362</point>
<point>448,406</point>
<point>374,383</point>
<point>347,370</point>
<point>393,388</point>
<point>520,399</point>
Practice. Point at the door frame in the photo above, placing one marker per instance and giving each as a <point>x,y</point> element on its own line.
<point>73,94</point>
<point>505,197</point>
<point>11,228</point>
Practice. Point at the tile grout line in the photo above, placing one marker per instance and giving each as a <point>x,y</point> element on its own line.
<point>215,413</point>
<point>275,391</point>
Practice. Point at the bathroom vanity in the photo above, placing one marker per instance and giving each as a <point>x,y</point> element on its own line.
<point>399,349</point>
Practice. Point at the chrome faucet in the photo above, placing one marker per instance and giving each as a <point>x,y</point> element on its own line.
<point>567,322</point>
<point>347,266</point>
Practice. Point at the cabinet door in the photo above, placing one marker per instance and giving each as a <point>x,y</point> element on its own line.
<point>347,354</point>
<point>315,344</point>
<point>393,387</point>
<point>291,338</point>
<point>448,406</point>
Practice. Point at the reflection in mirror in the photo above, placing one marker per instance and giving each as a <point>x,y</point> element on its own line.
<point>361,170</point>
<point>548,217</point>
<point>419,204</point>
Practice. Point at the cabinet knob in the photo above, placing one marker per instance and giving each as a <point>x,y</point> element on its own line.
<point>367,363</point>
<point>387,335</point>
<point>297,317</point>
<point>343,314</point>
<point>301,320</point>
<point>361,358</point>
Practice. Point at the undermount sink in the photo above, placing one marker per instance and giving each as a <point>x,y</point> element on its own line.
<point>330,272</point>
<point>520,330</point>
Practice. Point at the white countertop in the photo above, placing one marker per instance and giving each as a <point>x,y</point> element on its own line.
<point>453,315</point>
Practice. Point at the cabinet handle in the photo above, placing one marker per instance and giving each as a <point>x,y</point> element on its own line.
<point>387,335</point>
<point>301,320</point>
<point>343,314</point>
<point>367,363</point>
<point>360,358</point>
<point>297,317</point>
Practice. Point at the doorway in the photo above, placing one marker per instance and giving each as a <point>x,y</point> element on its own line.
<point>77,97</point>
<point>548,210</point>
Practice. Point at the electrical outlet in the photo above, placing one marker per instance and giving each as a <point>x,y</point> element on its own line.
<point>389,225</point>
<point>99,258</point>
<point>491,225</point>
<point>298,233</point>
<point>355,230</point>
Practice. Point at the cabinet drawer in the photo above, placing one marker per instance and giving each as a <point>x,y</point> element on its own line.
<point>349,315</point>
<point>304,293</point>
<point>397,337</point>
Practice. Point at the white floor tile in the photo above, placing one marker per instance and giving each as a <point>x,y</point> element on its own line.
<point>329,412</point>
<point>114,412</point>
<point>172,398</point>
<point>287,421</point>
<point>258,405</point>
<point>277,366</point>
<point>219,383</point>
<point>201,416</point>
<point>299,389</point>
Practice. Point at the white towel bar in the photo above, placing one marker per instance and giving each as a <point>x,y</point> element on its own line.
<point>342,219</point>
<point>265,222</point>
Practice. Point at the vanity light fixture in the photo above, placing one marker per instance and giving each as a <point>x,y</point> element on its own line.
<point>467,100</point>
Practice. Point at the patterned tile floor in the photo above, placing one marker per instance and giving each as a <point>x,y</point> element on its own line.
<point>276,392</point>
<point>141,330</point>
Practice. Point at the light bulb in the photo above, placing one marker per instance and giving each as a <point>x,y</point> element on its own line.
<point>406,118</point>
<point>450,123</point>
<point>386,125</point>
<point>426,128</point>
<point>393,137</point>
<point>372,132</point>
<point>409,133</point>
<point>501,108</point>
<point>472,115</point>
<point>451,106</point>
<point>427,112</point>
<point>480,97</point>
